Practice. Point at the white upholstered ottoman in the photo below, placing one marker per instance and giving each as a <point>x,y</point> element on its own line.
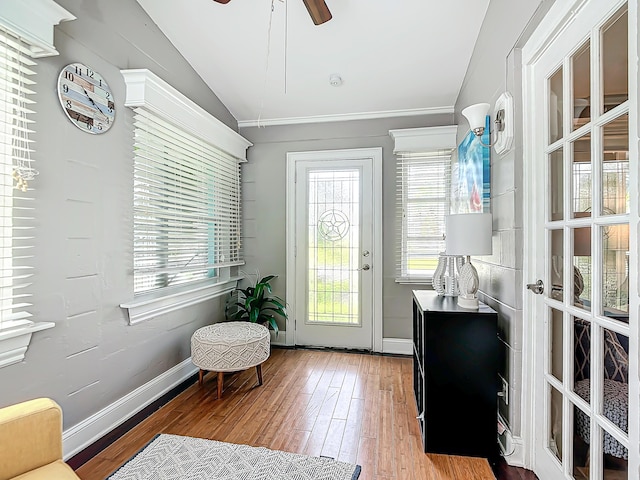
<point>230,347</point>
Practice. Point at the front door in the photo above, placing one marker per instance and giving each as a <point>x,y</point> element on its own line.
<point>334,252</point>
<point>580,112</point>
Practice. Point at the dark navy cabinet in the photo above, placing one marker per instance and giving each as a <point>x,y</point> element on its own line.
<point>455,375</point>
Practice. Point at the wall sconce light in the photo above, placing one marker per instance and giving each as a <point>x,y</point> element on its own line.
<point>503,113</point>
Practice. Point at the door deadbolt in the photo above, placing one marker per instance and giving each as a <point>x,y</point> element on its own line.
<point>537,288</point>
<point>365,253</point>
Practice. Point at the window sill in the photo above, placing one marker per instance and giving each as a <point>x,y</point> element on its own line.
<point>15,339</point>
<point>158,303</point>
<point>414,281</point>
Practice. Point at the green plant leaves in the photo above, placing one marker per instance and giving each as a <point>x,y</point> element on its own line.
<point>254,304</point>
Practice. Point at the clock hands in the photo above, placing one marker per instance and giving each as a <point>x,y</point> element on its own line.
<point>94,103</point>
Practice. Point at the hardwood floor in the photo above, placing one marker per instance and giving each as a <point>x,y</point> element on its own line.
<point>353,407</point>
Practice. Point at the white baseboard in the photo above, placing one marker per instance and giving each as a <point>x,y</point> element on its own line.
<point>512,447</point>
<point>282,340</point>
<point>517,456</point>
<point>83,434</point>
<point>397,346</point>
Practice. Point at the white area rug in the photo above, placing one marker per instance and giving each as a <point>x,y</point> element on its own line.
<point>173,457</point>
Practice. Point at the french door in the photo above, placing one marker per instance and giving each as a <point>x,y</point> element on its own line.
<point>334,252</point>
<point>582,160</point>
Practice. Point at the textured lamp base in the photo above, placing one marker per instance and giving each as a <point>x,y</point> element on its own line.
<point>468,302</point>
<point>468,284</point>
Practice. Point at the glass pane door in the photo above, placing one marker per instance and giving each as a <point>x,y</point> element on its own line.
<point>583,379</point>
<point>334,254</point>
<point>334,246</point>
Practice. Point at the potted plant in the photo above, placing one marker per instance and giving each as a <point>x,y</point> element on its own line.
<point>256,304</point>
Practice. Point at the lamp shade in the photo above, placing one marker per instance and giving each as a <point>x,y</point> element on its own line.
<point>468,234</point>
<point>476,114</point>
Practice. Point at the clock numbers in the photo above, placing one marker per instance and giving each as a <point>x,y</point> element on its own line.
<point>86,98</point>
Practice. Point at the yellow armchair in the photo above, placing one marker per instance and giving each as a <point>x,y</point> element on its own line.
<point>31,442</point>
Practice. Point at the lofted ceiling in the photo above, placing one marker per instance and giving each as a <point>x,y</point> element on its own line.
<point>269,64</point>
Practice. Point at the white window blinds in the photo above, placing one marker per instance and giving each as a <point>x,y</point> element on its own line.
<point>186,206</point>
<point>423,200</point>
<point>16,194</point>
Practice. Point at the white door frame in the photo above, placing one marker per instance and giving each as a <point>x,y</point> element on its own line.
<point>375,154</point>
<point>557,19</point>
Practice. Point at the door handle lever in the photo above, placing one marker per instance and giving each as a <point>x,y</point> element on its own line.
<point>537,288</point>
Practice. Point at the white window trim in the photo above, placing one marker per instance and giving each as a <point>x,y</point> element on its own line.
<point>15,339</point>
<point>422,139</point>
<point>148,306</point>
<point>34,22</point>
<point>145,89</point>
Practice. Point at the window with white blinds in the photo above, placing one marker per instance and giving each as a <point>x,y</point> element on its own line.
<point>186,206</point>
<point>16,192</point>
<point>423,200</point>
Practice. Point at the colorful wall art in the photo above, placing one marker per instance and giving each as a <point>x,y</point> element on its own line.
<point>473,190</point>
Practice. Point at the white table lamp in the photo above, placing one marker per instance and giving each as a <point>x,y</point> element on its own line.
<point>468,234</point>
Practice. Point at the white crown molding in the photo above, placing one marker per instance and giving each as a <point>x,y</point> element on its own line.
<point>344,117</point>
<point>33,21</point>
<point>145,89</point>
<point>424,138</point>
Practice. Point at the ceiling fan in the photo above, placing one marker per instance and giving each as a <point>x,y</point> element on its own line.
<point>317,9</point>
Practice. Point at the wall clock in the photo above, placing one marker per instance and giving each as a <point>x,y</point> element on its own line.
<point>86,98</point>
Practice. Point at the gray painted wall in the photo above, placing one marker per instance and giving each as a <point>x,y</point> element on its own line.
<point>84,238</point>
<point>264,183</point>
<point>495,67</point>
<point>92,358</point>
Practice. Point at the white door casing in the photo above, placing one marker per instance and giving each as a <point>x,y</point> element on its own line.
<point>305,169</point>
<point>566,28</point>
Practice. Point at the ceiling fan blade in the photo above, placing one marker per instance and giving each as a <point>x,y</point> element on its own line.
<point>222,1</point>
<point>318,10</point>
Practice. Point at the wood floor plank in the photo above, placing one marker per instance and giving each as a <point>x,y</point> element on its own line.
<point>333,440</point>
<point>349,447</point>
<point>385,465</point>
<point>357,408</point>
<point>371,409</point>
<point>367,453</point>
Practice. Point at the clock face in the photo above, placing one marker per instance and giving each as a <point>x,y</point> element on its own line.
<point>86,98</point>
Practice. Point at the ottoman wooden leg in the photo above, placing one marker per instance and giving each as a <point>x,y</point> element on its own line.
<point>259,372</point>
<point>200,377</point>
<point>220,383</point>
